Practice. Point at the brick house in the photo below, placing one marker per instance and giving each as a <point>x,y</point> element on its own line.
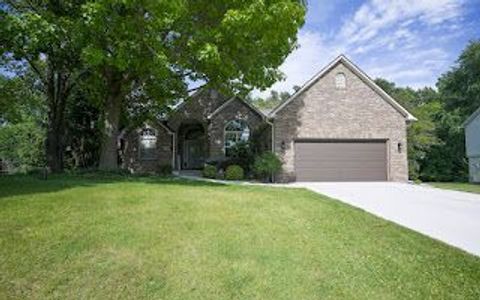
<point>340,126</point>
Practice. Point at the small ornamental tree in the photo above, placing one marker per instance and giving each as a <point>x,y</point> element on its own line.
<point>267,165</point>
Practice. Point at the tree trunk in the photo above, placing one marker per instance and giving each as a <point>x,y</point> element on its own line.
<point>54,144</point>
<point>57,93</point>
<point>113,109</point>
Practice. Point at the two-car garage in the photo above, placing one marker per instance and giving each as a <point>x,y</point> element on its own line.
<point>341,126</point>
<point>341,160</point>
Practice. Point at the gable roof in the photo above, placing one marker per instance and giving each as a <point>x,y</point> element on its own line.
<point>182,103</point>
<point>228,102</point>
<point>471,118</point>
<point>357,71</point>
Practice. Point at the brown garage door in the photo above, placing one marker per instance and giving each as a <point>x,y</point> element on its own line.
<point>341,161</point>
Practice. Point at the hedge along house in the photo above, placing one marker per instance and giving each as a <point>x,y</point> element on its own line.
<point>340,126</point>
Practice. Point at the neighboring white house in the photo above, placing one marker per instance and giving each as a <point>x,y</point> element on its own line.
<point>472,142</point>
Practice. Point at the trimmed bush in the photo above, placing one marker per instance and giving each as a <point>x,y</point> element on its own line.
<point>209,171</point>
<point>234,172</point>
<point>266,165</point>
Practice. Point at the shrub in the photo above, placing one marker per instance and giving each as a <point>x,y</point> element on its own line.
<point>241,154</point>
<point>165,170</point>
<point>234,172</point>
<point>209,171</point>
<point>261,139</point>
<point>266,165</point>
<point>22,146</point>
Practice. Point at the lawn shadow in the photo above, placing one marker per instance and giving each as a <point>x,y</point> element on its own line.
<point>19,185</point>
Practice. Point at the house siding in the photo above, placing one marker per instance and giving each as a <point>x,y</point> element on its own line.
<point>356,112</point>
<point>472,140</point>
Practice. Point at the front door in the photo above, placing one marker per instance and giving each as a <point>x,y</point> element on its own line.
<point>194,155</point>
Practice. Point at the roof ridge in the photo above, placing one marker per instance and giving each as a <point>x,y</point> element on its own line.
<point>357,71</point>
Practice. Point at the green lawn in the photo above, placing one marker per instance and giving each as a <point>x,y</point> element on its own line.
<point>458,186</point>
<point>134,238</point>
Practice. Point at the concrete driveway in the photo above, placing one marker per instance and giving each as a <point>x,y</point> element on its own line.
<point>450,216</point>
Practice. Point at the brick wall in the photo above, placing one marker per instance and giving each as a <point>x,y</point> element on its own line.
<point>323,111</point>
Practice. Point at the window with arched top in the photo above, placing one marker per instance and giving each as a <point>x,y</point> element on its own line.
<point>148,144</point>
<point>235,131</point>
<point>340,81</point>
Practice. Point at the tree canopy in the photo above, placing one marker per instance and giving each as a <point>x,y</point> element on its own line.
<point>159,48</point>
<point>164,47</point>
<point>436,142</point>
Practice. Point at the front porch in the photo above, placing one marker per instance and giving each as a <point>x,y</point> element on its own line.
<point>192,146</point>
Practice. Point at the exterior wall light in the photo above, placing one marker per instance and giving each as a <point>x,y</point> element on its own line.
<point>399,146</point>
<point>283,146</point>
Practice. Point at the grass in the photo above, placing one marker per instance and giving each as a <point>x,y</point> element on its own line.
<point>134,238</point>
<point>458,186</point>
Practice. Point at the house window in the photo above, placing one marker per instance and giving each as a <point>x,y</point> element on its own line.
<point>340,81</point>
<point>148,144</point>
<point>236,131</point>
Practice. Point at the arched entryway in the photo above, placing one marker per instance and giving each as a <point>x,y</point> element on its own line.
<point>191,145</point>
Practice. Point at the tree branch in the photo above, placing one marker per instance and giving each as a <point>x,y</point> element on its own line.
<point>36,70</point>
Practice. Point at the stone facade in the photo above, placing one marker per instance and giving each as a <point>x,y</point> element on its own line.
<point>206,111</point>
<point>236,110</point>
<point>194,112</point>
<point>324,111</point>
<point>132,160</point>
<point>197,109</point>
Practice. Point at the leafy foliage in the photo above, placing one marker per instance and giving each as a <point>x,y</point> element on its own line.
<point>421,135</point>
<point>22,108</point>
<point>161,46</point>
<point>82,133</point>
<point>242,154</point>
<point>45,37</point>
<point>267,165</point>
<point>460,90</point>
<point>209,171</point>
<point>22,146</point>
<point>234,172</point>
<point>261,139</point>
<point>436,142</point>
<point>460,87</point>
<point>21,99</point>
<point>271,101</point>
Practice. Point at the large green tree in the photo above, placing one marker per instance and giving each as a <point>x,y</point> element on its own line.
<point>436,143</point>
<point>44,37</point>
<point>460,93</point>
<point>460,87</point>
<point>167,46</point>
<point>421,135</point>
